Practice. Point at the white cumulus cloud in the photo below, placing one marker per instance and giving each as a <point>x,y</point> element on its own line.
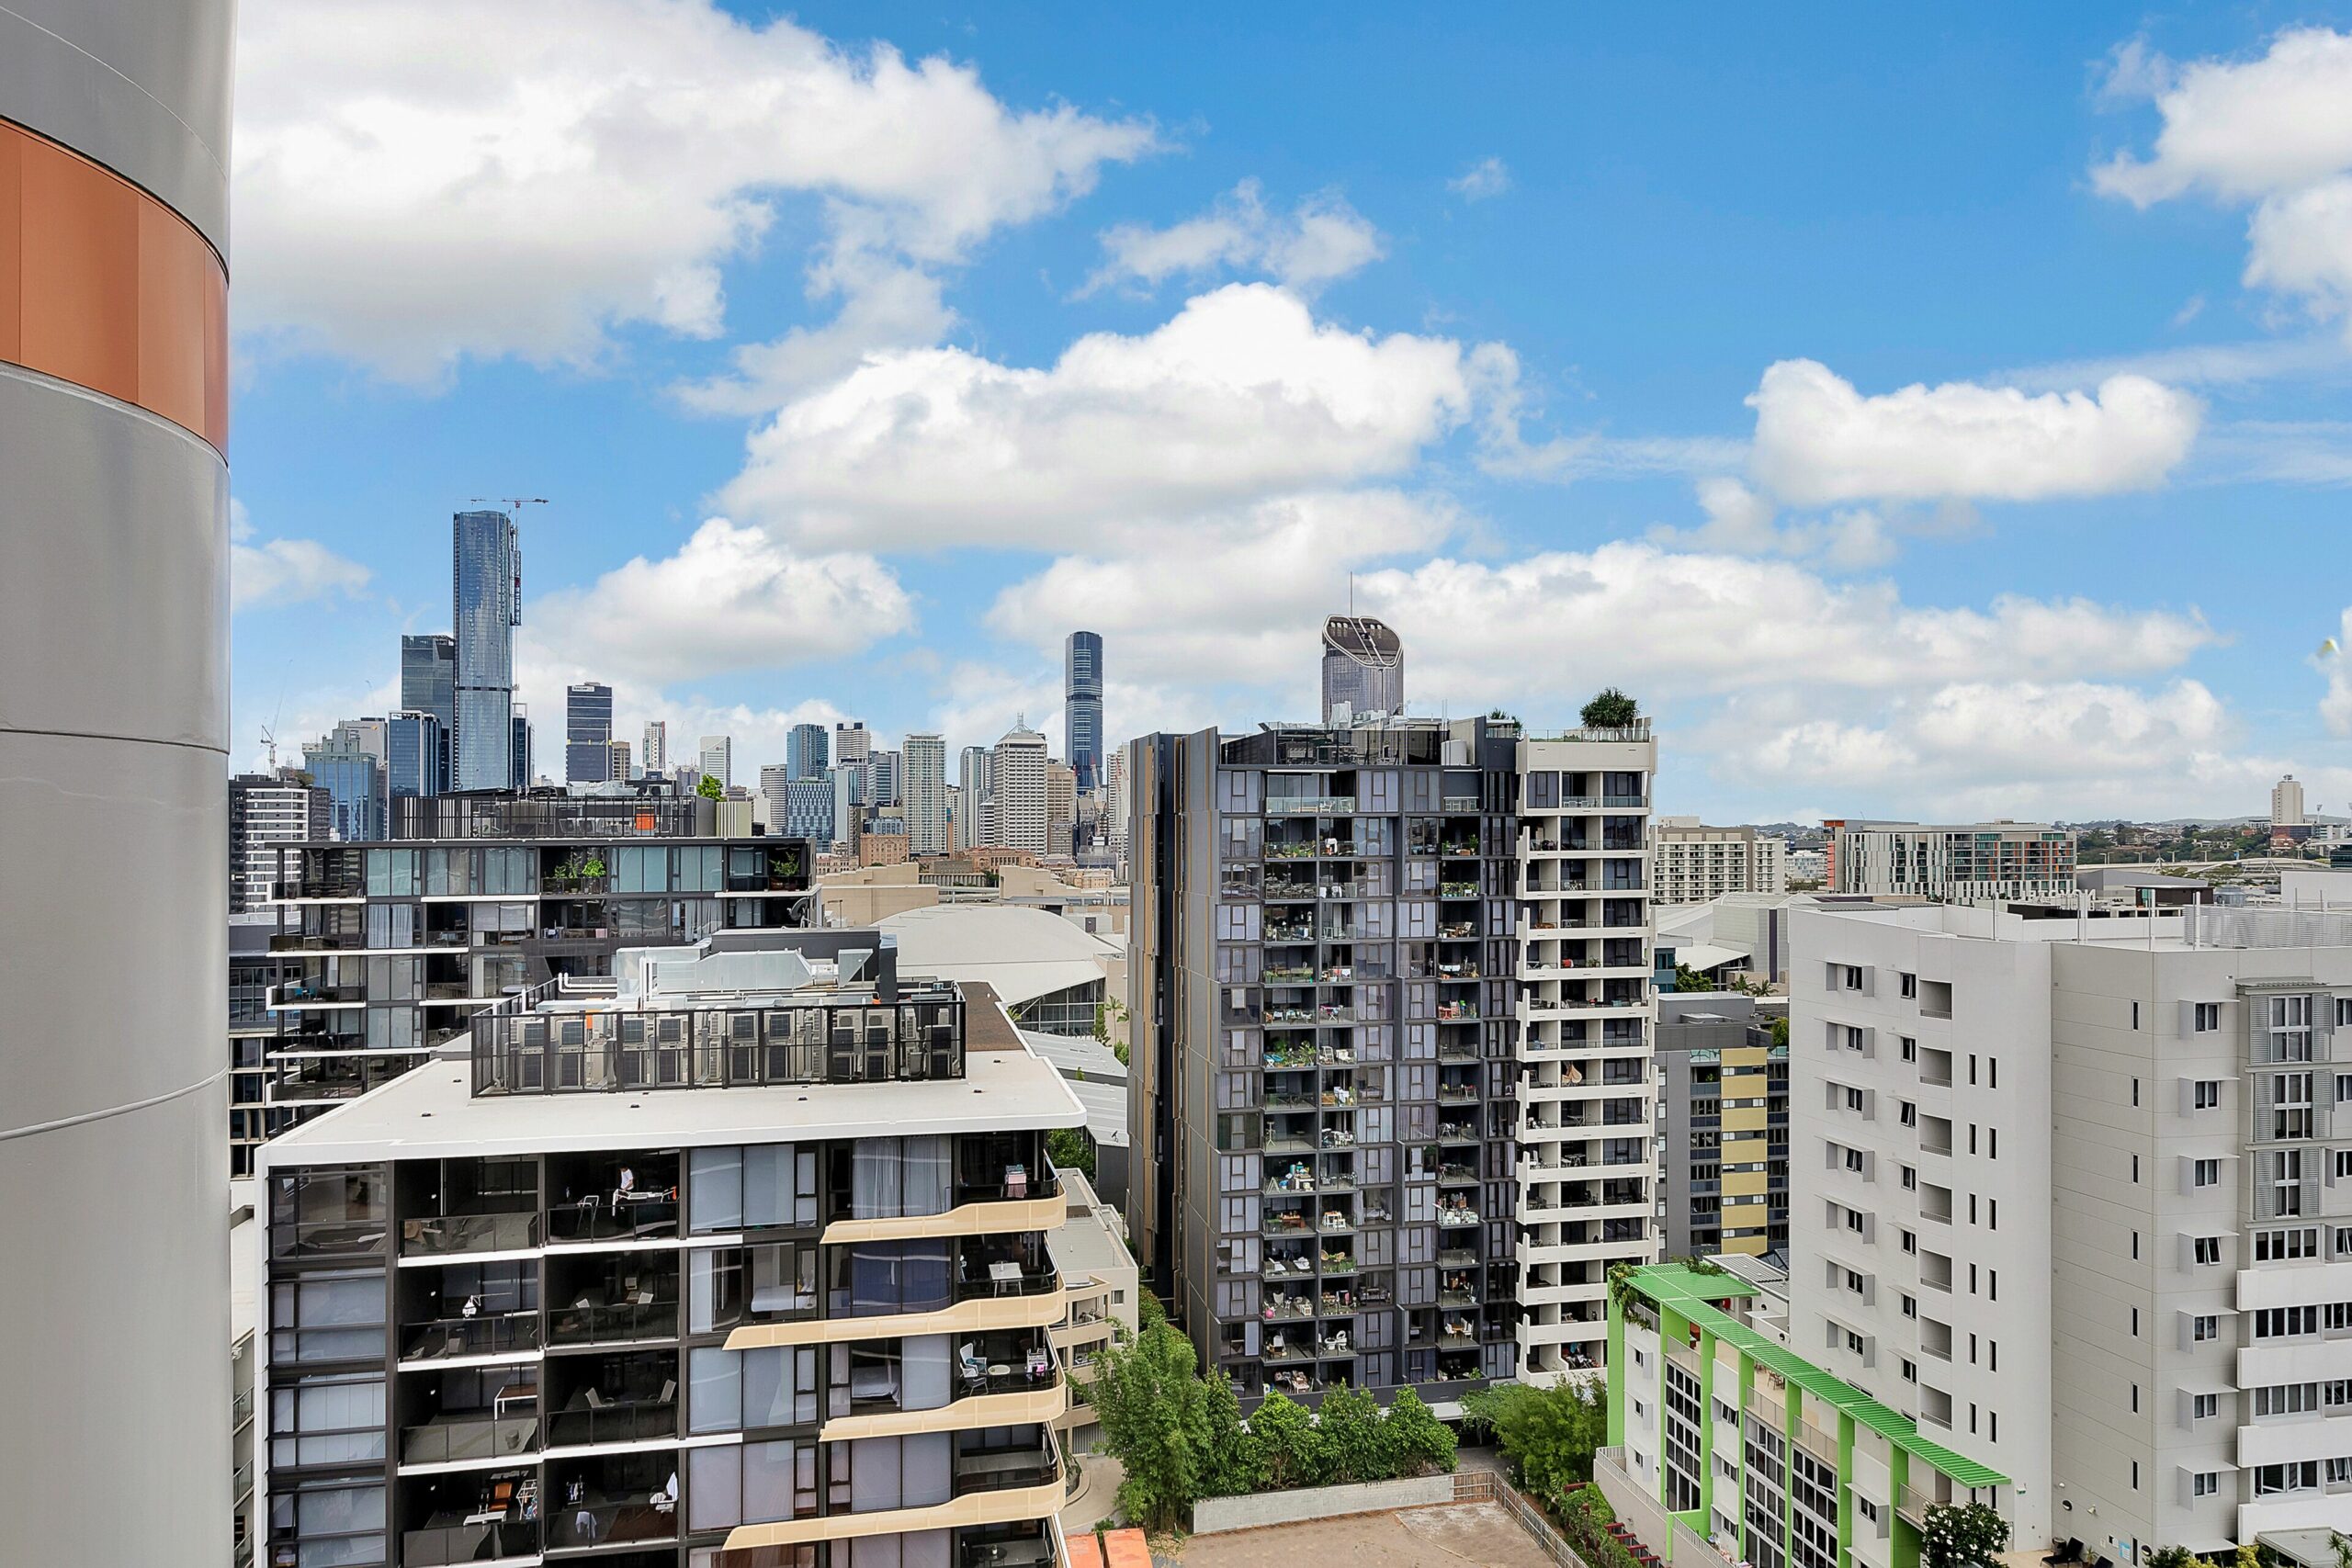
<point>731,599</point>
<point>1819,441</point>
<point>2275,133</point>
<point>1487,176</point>
<point>1241,396</point>
<point>422,180</point>
<point>1322,239</point>
<point>270,572</point>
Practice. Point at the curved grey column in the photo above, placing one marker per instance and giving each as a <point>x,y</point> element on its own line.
<point>114,1333</point>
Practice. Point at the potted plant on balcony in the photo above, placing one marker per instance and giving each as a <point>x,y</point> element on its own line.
<point>1963,1535</point>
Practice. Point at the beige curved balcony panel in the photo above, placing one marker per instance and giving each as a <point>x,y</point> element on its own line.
<point>969,1219</point>
<point>980,1314</point>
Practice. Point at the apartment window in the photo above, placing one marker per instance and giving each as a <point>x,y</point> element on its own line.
<point>2208,1173</point>
<point>2208,1249</point>
<point>1854,1282</point>
<point>2208,1095</point>
<point>2342,1164</point>
<point>2286,1323</point>
<point>2299,1475</point>
<point>1853,1342</point>
<point>1910,1179</point>
<point>1854,1221</point>
<point>2287,1399</point>
<point>2344,1088</point>
<point>2206,1017</point>
<point>2135,1015</point>
<point>1910,1243</point>
<point>1910,1114</point>
<point>1853,1099</point>
<point>2135,1091</point>
<point>2135,1323</point>
<point>1851,977</point>
<point>1910,1372</point>
<point>1911,1051</point>
<point>2343,1011</point>
<point>2286,1245</point>
<point>2204,1327</point>
<point>1991,1072</point>
<point>2204,1406</point>
<point>1854,1160</point>
<point>1910,984</point>
<point>2205,1484</point>
<point>2339,1471</point>
<point>1911,1306</point>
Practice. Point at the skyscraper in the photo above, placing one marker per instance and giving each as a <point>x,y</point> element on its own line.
<point>1082,707</point>
<point>414,748</point>
<point>805,756</point>
<point>354,780</point>
<point>719,758</point>
<point>924,791</point>
<point>114,762</point>
<point>849,800</point>
<point>1061,807</point>
<point>1363,669</point>
<point>657,745</point>
<point>774,778</point>
<point>883,771</point>
<point>587,732</point>
<point>429,684</point>
<point>519,749</point>
<point>486,604</point>
<point>1015,819</point>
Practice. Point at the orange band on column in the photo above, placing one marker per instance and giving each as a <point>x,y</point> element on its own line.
<point>103,285</point>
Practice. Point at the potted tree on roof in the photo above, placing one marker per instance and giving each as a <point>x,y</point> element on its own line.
<point>1611,709</point>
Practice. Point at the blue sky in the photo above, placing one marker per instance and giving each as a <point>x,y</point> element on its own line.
<point>1922,415</point>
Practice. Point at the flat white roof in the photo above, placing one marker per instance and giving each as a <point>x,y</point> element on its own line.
<point>1024,952</point>
<point>432,1113</point>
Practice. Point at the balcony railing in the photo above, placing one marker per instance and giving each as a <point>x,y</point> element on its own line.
<point>614,1421</point>
<point>483,1334</point>
<point>439,1544</point>
<point>440,1234</point>
<point>450,1440</point>
<point>611,1049</point>
<point>1002,1470</point>
<point>614,1324</point>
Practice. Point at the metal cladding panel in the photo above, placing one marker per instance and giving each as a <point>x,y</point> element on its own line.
<point>141,88</point>
<point>115,855</point>
<point>115,525</point>
<point>115,1452</point>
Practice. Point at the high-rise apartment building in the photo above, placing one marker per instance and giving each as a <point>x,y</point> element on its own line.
<point>808,809</point>
<point>1696,862</point>
<point>1082,707</point>
<point>486,605</point>
<point>588,733</point>
<point>1391,1093</point>
<point>429,684</point>
<point>656,750</point>
<point>973,775</point>
<point>805,752</point>
<point>925,795</point>
<point>848,779</point>
<point>1116,805</point>
<point>354,778</point>
<point>883,781</point>
<point>618,768</point>
<point>1363,669</point>
<point>1723,1172</point>
<point>1014,817</point>
<point>740,1254</point>
<point>520,748</point>
<point>2287,803</point>
<point>1966,863</point>
<point>718,759</point>
<point>256,971</point>
<point>1061,807</point>
<point>114,762</point>
<point>775,780</point>
<point>853,742</point>
<point>414,745</point>
<point>466,899</point>
<point>2064,1193</point>
<point>266,810</point>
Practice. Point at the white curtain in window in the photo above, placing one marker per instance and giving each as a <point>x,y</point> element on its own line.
<point>767,1388</point>
<point>713,1487</point>
<point>767,1482</point>
<point>715,1391</point>
<point>874,1192</point>
<point>925,1360</point>
<point>929,1177</point>
<point>929,1472</point>
<point>873,1474</point>
<point>714,1189</point>
<point>767,1184</point>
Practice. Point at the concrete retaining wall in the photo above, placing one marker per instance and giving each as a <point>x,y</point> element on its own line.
<point>1212,1515</point>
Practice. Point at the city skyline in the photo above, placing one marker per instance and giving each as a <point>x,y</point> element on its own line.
<point>1595,404</point>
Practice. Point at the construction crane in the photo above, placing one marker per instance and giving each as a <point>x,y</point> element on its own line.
<point>513,503</point>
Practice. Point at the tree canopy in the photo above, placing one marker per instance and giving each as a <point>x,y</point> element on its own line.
<point>1611,709</point>
<point>1549,1435</point>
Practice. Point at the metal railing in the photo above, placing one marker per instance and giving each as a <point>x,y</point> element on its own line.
<point>439,1544</point>
<point>482,1335</point>
<point>443,1441</point>
<point>440,1234</point>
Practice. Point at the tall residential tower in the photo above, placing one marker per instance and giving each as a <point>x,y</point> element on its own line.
<point>1363,669</point>
<point>1082,710</point>
<point>486,604</point>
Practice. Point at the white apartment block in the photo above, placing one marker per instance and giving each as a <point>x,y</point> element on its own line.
<point>2287,803</point>
<point>719,758</point>
<point>1588,1095</point>
<point>1961,863</point>
<point>2077,1196</point>
<point>925,793</point>
<point>1696,862</point>
<point>1016,815</point>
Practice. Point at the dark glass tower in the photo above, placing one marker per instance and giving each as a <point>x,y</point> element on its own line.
<point>1083,687</point>
<point>587,733</point>
<point>429,684</point>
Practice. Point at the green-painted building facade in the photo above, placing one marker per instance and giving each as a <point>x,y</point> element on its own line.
<point>1725,1444</point>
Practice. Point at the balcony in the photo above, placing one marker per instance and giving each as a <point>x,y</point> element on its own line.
<point>591,1418</point>
<point>450,1440</point>
<point>448,1338</point>
<point>1312,805</point>
<point>443,1234</point>
<point>494,1541</point>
